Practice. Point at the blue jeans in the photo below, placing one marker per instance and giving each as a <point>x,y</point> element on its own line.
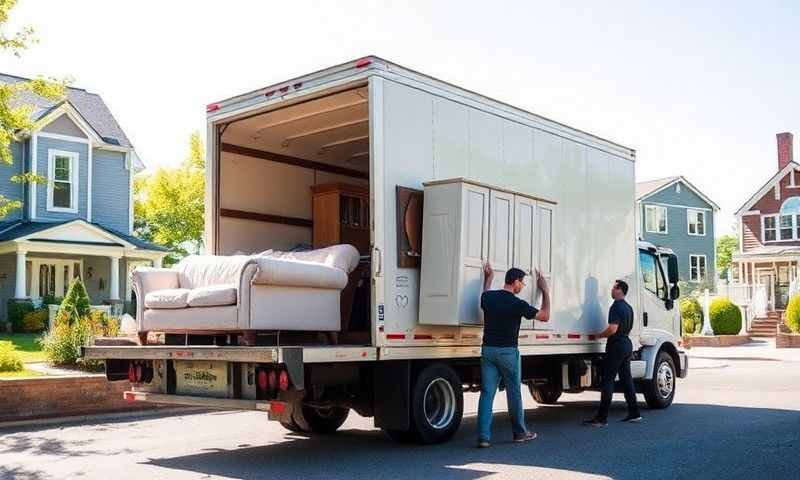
<point>496,363</point>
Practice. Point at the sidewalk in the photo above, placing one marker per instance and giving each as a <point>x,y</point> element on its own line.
<point>758,349</point>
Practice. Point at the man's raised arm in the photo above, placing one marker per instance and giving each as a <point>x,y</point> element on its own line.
<point>543,314</point>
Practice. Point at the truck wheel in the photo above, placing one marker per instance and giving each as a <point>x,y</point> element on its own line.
<point>319,420</point>
<point>547,394</point>
<point>437,404</point>
<point>291,426</point>
<point>660,390</point>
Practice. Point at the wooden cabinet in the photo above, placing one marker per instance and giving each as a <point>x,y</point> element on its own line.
<point>341,215</point>
<point>465,224</point>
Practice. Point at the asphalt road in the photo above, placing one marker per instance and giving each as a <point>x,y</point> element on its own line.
<point>736,416</point>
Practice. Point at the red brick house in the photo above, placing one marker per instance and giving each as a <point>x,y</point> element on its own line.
<point>769,234</point>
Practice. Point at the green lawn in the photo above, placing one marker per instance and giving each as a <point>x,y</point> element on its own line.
<point>26,345</point>
<point>20,374</point>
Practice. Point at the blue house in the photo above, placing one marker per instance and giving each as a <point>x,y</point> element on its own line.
<point>673,213</point>
<point>79,223</point>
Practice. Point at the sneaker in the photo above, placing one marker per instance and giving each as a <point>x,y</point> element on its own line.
<point>595,422</point>
<point>483,444</point>
<point>525,437</point>
<point>632,418</point>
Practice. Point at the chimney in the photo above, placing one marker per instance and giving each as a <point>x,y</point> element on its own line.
<point>785,149</point>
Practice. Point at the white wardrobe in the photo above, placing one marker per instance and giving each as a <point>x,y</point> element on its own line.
<point>466,223</point>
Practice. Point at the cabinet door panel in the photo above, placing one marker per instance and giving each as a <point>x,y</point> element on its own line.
<point>475,233</point>
<point>501,234</point>
<point>545,214</point>
<point>525,249</point>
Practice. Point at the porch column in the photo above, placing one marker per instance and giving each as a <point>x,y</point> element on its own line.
<point>19,288</point>
<point>157,262</point>
<point>113,283</point>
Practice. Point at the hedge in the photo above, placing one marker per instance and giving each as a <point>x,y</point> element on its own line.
<point>793,314</point>
<point>726,318</point>
<point>16,310</point>
<point>691,315</point>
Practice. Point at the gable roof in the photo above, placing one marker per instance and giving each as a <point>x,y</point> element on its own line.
<point>651,187</point>
<point>766,187</point>
<point>89,105</point>
<point>19,229</point>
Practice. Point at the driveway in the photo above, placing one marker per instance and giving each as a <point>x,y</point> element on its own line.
<point>737,415</point>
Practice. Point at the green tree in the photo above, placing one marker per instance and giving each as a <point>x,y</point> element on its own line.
<point>726,246</point>
<point>169,204</point>
<point>15,108</point>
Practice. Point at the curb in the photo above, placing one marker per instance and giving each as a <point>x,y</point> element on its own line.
<point>99,417</point>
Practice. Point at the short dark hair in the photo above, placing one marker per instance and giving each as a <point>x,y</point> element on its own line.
<point>514,274</point>
<point>622,286</point>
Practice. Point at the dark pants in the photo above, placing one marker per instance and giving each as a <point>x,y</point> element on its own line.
<point>617,361</point>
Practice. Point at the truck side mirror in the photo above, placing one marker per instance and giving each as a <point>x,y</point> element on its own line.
<point>669,304</point>
<point>672,269</point>
<point>674,292</point>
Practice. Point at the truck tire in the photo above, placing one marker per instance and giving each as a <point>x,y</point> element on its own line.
<point>291,426</point>
<point>318,420</point>
<point>547,394</point>
<point>437,404</point>
<point>659,391</point>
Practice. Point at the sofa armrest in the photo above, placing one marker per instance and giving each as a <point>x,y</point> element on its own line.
<point>292,273</point>
<point>148,279</point>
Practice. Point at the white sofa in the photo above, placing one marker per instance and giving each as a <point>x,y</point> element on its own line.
<point>270,291</point>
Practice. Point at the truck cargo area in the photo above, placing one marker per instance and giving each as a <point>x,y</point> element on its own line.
<point>297,177</point>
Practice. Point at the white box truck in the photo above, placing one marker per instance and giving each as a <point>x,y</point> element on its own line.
<point>500,184</point>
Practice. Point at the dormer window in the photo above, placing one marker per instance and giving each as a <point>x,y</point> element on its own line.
<point>62,181</point>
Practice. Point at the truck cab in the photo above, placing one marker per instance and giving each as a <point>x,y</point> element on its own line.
<point>660,327</point>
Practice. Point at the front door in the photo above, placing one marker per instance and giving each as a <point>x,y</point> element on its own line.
<point>767,279</point>
<point>53,277</point>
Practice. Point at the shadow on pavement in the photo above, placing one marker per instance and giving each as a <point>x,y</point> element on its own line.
<point>685,441</point>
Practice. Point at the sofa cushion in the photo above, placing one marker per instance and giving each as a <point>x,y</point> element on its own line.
<point>294,273</point>
<point>204,270</point>
<point>344,257</point>
<point>212,296</point>
<point>167,298</point>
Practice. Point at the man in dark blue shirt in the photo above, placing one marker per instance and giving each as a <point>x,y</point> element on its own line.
<point>502,314</point>
<point>618,358</point>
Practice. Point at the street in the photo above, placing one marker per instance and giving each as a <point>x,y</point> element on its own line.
<point>737,415</point>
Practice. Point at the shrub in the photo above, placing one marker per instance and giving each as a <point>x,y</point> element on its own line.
<point>10,360</point>
<point>16,310</point>
<point>35,321</point>
<point>691,315</point>
<point>62,345</point>
<point>76,302</point>
<point>103,325</point>
<point>793,314</point>
<point>726,318</point>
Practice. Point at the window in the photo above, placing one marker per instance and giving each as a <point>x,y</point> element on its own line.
<point>770,231</point>
<point>697,222</point>
<point>651,275</point>
<point>62,181</point>
<point>655,219</point>
<point>785,225</point>
<point>697,268</point>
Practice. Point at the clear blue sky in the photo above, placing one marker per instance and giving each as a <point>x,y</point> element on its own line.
<point>698,89</point>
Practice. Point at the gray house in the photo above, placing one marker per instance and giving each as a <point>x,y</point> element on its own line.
<point>78,223</point>
<point>673,213</point>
